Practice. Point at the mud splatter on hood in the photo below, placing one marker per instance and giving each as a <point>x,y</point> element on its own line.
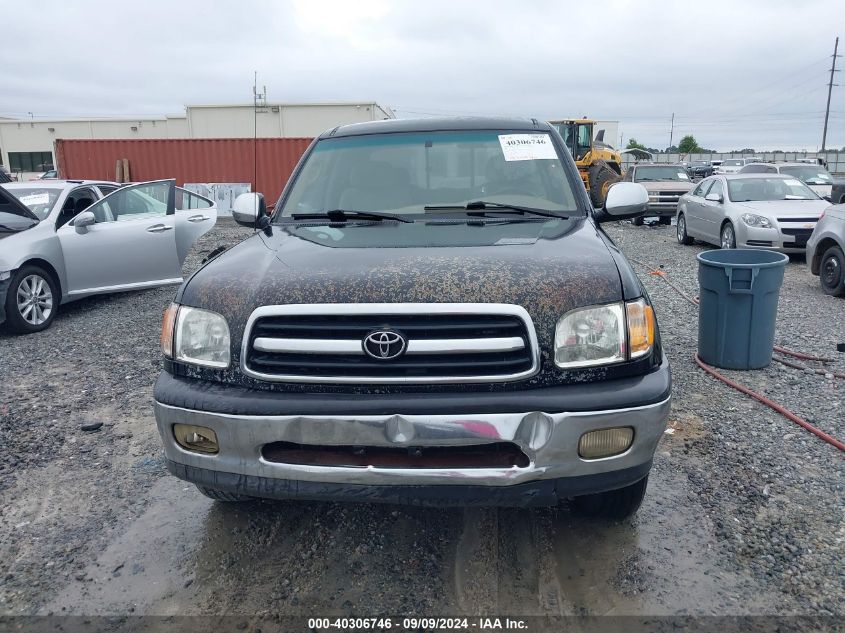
<point>547,276</point>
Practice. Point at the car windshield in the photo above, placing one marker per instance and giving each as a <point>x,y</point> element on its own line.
<point>700,163</point>
<point>758,189</point>
<point>39,200</point>
<point>403,173</point>
<point>670,172</point>
<point>733,162</point>
<point>808,174</point>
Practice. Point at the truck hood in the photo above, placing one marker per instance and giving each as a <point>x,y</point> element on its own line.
<point>548,268</point>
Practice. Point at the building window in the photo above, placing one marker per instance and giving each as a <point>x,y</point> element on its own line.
<point>31,161</point>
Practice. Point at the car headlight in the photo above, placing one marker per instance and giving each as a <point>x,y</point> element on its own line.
<point>196,336</point>
<point>601,335</point>
<point>756,220</point>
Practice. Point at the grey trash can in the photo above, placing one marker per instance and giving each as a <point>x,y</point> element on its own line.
<point>739,304</point>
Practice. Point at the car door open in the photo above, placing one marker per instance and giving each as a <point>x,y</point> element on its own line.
<point>130,243</point>
<point>195,216</point>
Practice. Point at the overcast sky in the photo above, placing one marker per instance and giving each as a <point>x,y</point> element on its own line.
<point>736,74</point>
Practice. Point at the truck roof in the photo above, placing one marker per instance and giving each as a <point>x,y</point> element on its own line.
<point>437,125</point>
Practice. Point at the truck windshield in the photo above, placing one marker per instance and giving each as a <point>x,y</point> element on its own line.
<point>671,172</point>
<point>403,173</point>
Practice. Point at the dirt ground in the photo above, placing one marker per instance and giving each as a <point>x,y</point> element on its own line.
<point>743,515</point>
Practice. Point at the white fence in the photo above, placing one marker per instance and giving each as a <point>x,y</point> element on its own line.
<point>223,193</point>
<point>835,160</point>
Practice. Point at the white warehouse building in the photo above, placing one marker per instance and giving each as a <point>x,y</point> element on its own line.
<point>26,145</point>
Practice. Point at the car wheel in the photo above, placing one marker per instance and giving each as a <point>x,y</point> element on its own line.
<point>728,237</point>
<point>666,220</point>
<point>613,504</point>
<point>31,300</point>
<point>637,221</point>
<point>222,495</point>
<point>681,227</point>
<point>832,272</point>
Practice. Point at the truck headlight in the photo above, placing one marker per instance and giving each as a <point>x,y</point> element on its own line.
<point>200,337</point>
<point>759,221</point>
<point>601,335</point>
<point>590,336</point>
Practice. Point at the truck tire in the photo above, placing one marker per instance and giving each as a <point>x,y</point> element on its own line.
<point>613,504</point>
<point>602,176</point>
<point>222,495</point>
<point>32,300</point>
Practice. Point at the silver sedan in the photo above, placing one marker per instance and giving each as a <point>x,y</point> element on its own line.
<point>750,211</point>
<point>826,251</point>
<point>64,240</point>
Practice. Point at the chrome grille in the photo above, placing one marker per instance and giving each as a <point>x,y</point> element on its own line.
<point>445,342</point>
<point>665,197</point>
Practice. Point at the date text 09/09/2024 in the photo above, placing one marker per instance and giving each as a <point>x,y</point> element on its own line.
<point>415,624</point>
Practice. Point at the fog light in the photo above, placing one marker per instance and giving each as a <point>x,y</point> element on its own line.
<point>196,438</point>
<point>606,442</point>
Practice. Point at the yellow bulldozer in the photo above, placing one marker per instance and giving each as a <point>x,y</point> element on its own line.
<point>599,164</point>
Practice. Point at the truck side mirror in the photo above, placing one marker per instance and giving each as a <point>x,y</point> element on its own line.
<point>624,200</point>
<point>250,210</point>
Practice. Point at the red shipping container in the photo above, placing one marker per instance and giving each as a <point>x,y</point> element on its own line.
<point>186,160</point>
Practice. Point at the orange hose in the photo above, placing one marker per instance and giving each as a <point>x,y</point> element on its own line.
<point>773,405</point>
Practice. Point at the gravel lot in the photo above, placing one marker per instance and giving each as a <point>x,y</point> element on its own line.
<point>744,514</point>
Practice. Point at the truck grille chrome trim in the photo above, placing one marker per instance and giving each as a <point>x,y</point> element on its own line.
<point>415,346</point>
<point>446,343</point>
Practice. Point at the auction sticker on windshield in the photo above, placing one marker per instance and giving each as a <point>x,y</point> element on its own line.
<point>35,199</point>
<point>527,146</point>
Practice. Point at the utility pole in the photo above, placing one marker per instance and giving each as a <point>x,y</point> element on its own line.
<point>830,86</point>
<point>259,99</point>
<point>672,130</point>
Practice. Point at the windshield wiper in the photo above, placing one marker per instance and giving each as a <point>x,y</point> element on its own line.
<point>344,215</point>
<point>481,208</point>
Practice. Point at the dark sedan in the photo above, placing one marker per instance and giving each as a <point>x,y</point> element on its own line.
<point>700,169</point>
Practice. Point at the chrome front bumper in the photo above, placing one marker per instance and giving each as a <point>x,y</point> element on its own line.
<point>550,440</point>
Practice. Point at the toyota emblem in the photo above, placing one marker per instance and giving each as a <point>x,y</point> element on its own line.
<point>384,344</point>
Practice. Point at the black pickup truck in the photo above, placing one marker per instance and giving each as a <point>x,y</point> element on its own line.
<point>433,315</point>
